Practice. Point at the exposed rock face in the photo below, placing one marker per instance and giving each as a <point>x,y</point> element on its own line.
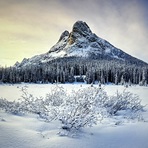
<point>80,29</point>
<point>64,34</point>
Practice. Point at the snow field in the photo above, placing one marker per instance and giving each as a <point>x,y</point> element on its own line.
<point>30,131</point>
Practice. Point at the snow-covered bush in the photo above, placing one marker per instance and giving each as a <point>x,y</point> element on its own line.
<point>75,110</point>
<point>30,104</point>
<point>82,108</point>
<point>46,107</point>
<point>123,101</point>
<point>11,106</point>
<point>52,102</point>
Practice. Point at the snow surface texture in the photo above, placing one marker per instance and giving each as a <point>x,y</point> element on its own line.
<point>30,132</point>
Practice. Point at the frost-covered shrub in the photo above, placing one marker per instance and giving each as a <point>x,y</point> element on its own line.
<point>52,102</point>
<point>56,96</point>
<point>11,106</point>
<point>75,110</point>
<point>123,101</point>
<point>46,107</point>
<point>30,103</point>
<point>81,108</point>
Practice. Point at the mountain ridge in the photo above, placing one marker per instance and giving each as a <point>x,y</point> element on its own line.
<point>80,42</point>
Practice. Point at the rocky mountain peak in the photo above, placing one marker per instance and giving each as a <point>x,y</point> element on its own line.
<point>64,34</point>
<point>81,28</point>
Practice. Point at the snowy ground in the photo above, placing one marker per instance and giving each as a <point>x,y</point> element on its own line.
<point>30,132</point>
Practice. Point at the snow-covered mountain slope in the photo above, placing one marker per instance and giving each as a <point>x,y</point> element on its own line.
<point>80,42</point>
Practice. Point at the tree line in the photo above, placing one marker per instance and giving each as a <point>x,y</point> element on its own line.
<point>77,70</point>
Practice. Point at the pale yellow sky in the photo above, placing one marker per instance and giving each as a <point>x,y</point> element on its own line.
<point>32,27</point>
